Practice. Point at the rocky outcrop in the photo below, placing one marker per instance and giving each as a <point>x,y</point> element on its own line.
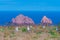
<point>21,19</point>
<point>46,20</point>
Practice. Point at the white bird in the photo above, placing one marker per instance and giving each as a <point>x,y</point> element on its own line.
<point>43,26</point>
<point>56,29</point>
<point>28,28</point>
<point>16,28</point>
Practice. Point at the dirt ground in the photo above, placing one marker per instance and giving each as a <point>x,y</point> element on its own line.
<point>27,36</point>
<point>7,35</point>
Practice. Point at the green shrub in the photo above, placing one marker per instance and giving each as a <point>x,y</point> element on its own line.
<point>58,26</point>
<point>2,29</point>
<point>39,32</point>
<point>12,34</point>
<point>53,34</point>
<point>24,29</point>
<point>10,28</point>
<point>54,28</point>
<point>19,28</point>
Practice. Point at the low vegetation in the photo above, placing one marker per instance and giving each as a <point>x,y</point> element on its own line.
<point>35,34</point>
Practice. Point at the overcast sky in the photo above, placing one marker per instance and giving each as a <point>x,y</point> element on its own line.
<point>28,5</point>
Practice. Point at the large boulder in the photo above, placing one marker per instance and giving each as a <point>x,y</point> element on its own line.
<point>46,21</point>
<point>21,19</point>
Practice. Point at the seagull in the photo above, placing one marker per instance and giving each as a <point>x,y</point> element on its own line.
<point>16,28</point>
<point>28,28</point>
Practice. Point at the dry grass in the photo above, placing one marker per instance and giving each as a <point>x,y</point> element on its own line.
<point>35,34</point>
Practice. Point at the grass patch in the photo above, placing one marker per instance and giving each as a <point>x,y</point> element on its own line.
<point>23,29</point>
<point>10,28</point>
<point>53,34</point>
<point>38,32</point>
<point>12,34</point>
<point>2,29</point>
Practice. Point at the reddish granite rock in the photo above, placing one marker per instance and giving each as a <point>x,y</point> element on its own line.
<point>46,20</point>
<point>21,19</point>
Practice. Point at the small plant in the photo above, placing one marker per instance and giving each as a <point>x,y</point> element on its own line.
<point>10,28</point>
<point>53,34</point>
<point>12,34</point>
<point>19,28</point>
<point>54,28</point>
<point>39,32</point>
<point>35,37</point>
<point>24,29</point>
<point>6,33</point>
<point>59,28</point>
<point>2,29</point>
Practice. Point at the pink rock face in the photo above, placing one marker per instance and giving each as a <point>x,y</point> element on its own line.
<point>21,19</point>
<point>46,20</point>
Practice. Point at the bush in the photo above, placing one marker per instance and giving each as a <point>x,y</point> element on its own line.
<point>59,28</point>
<point>10,28</point>
<point>24,29</point>
<point>53,34</point>
<point>39,32</point>
<point>53,28</point>
<point>12,34</point>
<point>2,29</point>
